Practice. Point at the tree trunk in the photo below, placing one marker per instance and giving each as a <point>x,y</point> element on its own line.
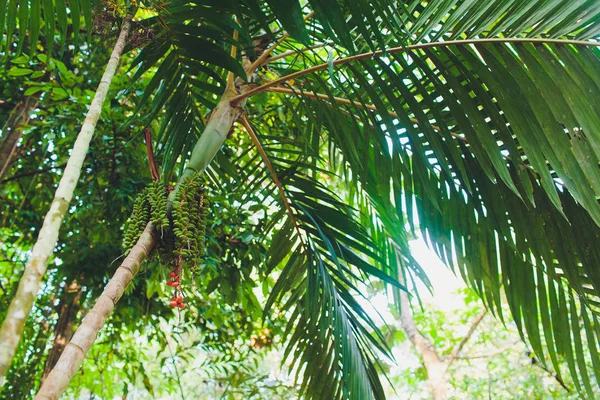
<point>435,366</point>
<point>74,353</point>
<point>14,322</point>
<point>13,131</point>
<point>222,119</point>
<point>68,308</point>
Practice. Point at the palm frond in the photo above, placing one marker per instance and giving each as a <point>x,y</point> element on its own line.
<point>330,336</point>
<point>325,258</point>
<point>487,191</point>
<point>472,121</point>
<point>23,22</point>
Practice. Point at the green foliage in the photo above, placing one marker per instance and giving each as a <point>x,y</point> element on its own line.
<point>42,17</point>
<point>493,361</point>
<point>489,149</point>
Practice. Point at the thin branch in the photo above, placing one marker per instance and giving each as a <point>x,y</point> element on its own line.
<point>246,123</point>
<point>261,60</point>
<point>342,100</point>
<point>176,370</point>
<point>536,362</point>
<point>487,355</point>
<point>34,172</point>
<point>401,49</point>
<point>424,347</point>
<point>466,338</point>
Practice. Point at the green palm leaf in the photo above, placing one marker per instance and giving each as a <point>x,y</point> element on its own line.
<point>22,22</point>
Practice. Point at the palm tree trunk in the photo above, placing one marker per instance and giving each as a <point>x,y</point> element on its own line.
<point>20,306</point>
<point>74,353</point>
<point>222,119</point>
<point>12,131</point>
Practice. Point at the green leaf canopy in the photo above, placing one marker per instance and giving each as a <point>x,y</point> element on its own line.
<point>473,122</point>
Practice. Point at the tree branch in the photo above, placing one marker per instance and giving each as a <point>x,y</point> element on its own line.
<point>536,362</point>
<point>34,172</point>
<point>466,338</point>
<point>423,346</point>
<point>434,365</point>
<point>12,131</point>
<point>486,355</point>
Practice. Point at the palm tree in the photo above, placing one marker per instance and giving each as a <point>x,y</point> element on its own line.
<point>29,284</point>
<point>472,122</point>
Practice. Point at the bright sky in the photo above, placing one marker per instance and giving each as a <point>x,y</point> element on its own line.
<point>443,280</point>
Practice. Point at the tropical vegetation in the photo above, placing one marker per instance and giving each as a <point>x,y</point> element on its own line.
<point>266,163</point>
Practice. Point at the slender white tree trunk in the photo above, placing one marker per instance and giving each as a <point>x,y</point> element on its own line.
<point>211,140</point>
<point>20,306</point>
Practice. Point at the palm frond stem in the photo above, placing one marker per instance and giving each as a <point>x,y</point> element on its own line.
<point>343,100</point>
<point>379,53</point>
<point>248,127</point>
<point>230,75</point>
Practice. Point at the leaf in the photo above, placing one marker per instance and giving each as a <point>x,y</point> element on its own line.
<point>14,71</point>
<point>20,60</point>
<point>33,90</point>
<point>34,28</point>
<point>203,50</point>
<point>289,13</point>
<point>23,22</point>
<point>11,22</point>
<point>48,15</point>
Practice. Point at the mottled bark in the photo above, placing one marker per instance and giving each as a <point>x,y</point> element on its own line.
<point>68,308</point>
<point>21,304</point>
<point>12,131</point>
<point>74,353</point>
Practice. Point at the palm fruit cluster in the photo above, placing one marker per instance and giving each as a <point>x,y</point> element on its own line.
<point>150,205</point>
<point>182,231</point>
<point>190,211</point>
